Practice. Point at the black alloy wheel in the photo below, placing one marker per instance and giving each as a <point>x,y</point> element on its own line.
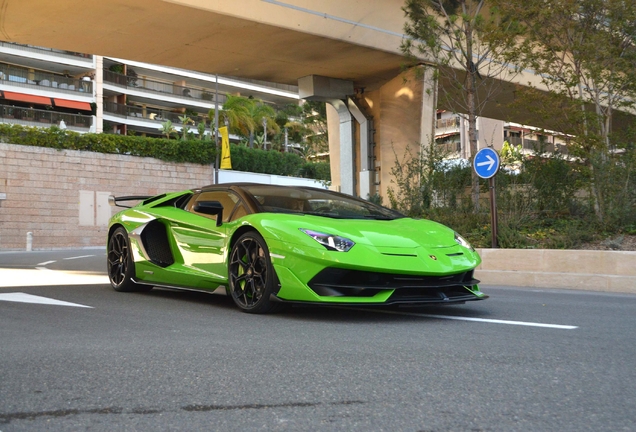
<point>121,267</point>
<point>251,276</point>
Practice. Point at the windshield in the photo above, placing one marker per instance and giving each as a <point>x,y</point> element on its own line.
<point>317,202</point>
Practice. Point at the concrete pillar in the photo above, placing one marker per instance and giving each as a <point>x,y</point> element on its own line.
<point>403,111</point>
<point>335,93</point>
<point>98,89</point>
<point>347,146</point>
<point>341,147</point>
<point>364,165</point>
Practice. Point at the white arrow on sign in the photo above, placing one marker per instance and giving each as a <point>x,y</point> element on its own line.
<point>28,298</point>
<point>490,162</point>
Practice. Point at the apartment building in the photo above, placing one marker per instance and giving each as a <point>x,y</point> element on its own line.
<point>89,93</point>
<point>451,135</point>
<point>44,87</point>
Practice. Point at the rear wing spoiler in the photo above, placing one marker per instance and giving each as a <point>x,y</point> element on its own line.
<point>114,201</point>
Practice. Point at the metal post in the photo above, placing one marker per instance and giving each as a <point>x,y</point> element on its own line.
<point>286,139</point>
<point>216,130</point>
<point>493,211</point>
<point>264,133</point>
<point>29,241</point>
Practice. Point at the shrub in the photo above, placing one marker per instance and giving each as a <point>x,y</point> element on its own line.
<point>196,151</point>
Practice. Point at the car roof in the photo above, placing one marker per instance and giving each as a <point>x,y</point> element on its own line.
<point>242,185</point>
<point>243,188</point>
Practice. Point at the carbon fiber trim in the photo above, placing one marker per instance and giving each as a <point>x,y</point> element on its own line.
<point>155,240</point>
<point>334,282</point>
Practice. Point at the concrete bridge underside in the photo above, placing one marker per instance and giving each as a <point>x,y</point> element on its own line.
<point>381,113</point>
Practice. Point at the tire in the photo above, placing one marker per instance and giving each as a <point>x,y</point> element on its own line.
<point>251,275</point>
<point>121,267</point>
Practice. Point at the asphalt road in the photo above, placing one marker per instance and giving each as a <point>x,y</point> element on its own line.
<point>523,360</point>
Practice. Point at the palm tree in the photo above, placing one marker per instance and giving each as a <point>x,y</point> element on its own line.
<point>167,129</point>
<point>264,115</point>
<point>185,121</point>
<point>236,114</point>
<point>245,115</point>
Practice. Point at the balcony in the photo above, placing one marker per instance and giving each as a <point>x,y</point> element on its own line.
<point>44,118</point>
<point>152,115</point>
<point>45,51</point>
<point>452,122</point>
<point>25,78</point>
<point>163,88</point>
<point>533,145</point>
<point>451,147</point>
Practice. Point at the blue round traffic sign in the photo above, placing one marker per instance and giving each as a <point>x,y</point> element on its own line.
<point>486,163</point>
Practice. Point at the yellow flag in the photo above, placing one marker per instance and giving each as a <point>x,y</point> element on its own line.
<point>226,160</point>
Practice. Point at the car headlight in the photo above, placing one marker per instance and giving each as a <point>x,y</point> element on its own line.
<point>331,242</point>
<point>463,242</point>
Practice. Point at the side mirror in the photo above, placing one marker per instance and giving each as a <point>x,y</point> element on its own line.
<point>211,208</point>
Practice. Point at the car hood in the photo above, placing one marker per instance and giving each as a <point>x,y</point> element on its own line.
<point>397,233</point>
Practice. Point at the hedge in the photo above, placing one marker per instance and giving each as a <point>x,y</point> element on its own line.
<point>194,151</point>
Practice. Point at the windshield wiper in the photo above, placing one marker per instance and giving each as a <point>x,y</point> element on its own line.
<point>325,214</point>
<point>378,217</point>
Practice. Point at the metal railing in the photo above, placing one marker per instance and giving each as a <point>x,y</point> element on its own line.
<point>46,118</point>
<point>445,123</point>
<point>158,116</point>
<point>285,87</point>
<point>452,147</point>
<point>23,77</point>
<point>140,83</point>
<point>42,50</point>
<point>530,144</point>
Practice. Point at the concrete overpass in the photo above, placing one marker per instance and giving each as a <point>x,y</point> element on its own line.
<point>375,113</point>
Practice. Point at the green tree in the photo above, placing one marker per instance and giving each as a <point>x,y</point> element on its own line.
<point>186,122</point>
<point>461,38</point>
<point>167,129</point>
<point>245,116</point>
<point>201,130</point>
<point>314,117</point>
<point>584,52</point>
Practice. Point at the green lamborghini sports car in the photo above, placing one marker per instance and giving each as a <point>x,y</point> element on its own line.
<point>269,246</point>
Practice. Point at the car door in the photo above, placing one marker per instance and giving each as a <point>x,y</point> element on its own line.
<point>200,241</point>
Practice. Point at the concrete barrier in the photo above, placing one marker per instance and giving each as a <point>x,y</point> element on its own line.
<point>613,271</point>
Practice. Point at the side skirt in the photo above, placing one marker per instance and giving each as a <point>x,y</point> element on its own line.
<point>180,288</point>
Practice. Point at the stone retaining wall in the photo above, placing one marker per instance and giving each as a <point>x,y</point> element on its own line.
<point>61,195</point>
<point>613,271</point>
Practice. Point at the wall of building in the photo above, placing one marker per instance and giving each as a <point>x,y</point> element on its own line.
<point>61,196</point>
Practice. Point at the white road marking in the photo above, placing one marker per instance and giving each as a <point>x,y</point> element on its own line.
<point>43,269</point>
<point>48,277</point>
<point>483,320</point>
<point>78,257</point>
<point>28,298</point>
<point>45,263</point>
